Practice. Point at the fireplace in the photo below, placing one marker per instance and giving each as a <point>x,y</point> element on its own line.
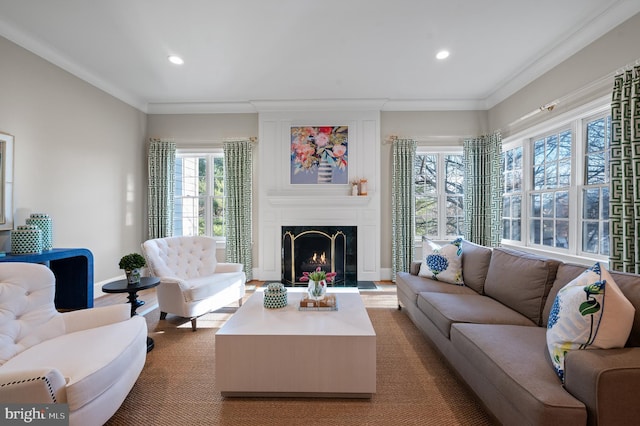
<point>332,248</point>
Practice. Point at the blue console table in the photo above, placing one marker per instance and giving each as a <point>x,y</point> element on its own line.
<point>73,269</point>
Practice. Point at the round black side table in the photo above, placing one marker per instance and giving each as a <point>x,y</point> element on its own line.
<point>122,286</point>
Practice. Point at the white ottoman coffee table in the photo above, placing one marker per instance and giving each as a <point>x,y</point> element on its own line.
<point>288,352</point>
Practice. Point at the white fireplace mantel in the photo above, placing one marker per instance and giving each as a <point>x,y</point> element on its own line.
<point>281,203</point>
<point>292,199</point>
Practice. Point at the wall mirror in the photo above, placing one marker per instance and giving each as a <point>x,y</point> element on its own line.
<point>6,181</point>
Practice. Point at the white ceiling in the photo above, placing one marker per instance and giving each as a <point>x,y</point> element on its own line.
<point>239,53</point>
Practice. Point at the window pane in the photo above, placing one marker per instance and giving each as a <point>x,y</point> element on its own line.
<point>591,204</point>
<point>538,152</point>
<point>218,176</point>
<point>454,174</point>
<point>506,207</point>
<point>595,169</point>
<point>218,218</point>
<point>538,178</point>
<point>515,230</point>
<point>536,205</point>
<point>551,180</point>
<point>534,232</point>
<point>547,233</point>
<point>564,150</point>
<point>590,240</point>
<point>517,158</point>
<point>425,172</point>
<point>517,180</point>
<point>562,234</point>
<point>547,204</point>
<point>604,239</point>
<point>551,149</point>
<point>596,135</point>
<point>506,229</point>
<point>605,203</point>
<point>516,209</point>
<point>564,173</point>
<point>562,204</point>
<point>508,182</point>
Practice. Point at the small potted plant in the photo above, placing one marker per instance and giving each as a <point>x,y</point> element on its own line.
<point>131,263</point>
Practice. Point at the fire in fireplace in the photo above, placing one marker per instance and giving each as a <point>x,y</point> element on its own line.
<point>332,248</point>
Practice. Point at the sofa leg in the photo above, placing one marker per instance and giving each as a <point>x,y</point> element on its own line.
<point>240,302</point>
<point>193,324</point>
<point>163,315</point>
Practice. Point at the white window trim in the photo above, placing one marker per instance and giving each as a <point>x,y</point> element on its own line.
<point>190,152</point>
<point>573,119</point>
<point>442,196</point>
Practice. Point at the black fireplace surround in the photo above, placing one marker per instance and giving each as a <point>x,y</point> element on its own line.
<point>332,248</point>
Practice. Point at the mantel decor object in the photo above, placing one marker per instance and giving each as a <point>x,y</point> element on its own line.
<point>275,296</point>
<point>26,239</point>
<point>44,223</point>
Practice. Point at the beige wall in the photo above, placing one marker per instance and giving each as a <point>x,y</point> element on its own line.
<point>79,156</point>
<point>602,58</point>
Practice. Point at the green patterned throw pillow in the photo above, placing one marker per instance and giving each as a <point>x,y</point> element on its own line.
<point>442,263</point>
<point>590,312</point>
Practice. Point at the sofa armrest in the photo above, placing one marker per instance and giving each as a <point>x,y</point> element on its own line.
<point>415,267</point>
<point>85,319</point>
<point>33,386</point>
<point>607,381</point>
<point>228,267</point>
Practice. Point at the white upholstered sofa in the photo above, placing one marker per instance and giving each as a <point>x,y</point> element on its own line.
<point>192,281</point>
<point>88,359</point>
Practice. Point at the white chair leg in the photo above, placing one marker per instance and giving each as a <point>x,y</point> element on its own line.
<point>193,323</point>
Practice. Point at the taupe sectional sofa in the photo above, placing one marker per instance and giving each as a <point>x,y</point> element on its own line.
<point>492,331</point>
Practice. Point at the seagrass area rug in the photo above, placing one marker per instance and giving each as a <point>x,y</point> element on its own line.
<point>414,386</point>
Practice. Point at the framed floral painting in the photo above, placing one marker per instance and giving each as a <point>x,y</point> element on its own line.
<point>319,155</point>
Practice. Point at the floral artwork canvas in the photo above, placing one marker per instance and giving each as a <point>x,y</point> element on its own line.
<point>319,155</point>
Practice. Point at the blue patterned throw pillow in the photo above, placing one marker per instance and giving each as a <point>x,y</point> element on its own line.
<point>442,263</point>
<point>589,312</point>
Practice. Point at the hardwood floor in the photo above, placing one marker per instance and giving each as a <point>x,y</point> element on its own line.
<point>151,301</point>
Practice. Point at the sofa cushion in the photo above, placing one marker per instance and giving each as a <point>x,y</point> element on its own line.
<point>442,263</point>
<point>204,287</point>
<point>475,265</point>
<point>629,284</point>
<point>514,361</point>
<point>589,312</point>
<point>446,309</point>
<point>521,281</point>
<point>566,273</point>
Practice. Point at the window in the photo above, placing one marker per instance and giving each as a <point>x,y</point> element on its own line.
<point>549,200</point>
<point>512,199</point>
<point>595,193</point>
<point>439,194</point>
<point>557,183</point>
<point>199,195</point>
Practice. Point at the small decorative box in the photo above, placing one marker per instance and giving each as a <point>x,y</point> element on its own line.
<point>26,239</point>
<point>275,296</point>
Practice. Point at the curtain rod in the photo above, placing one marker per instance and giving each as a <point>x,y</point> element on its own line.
<point>429,139</point>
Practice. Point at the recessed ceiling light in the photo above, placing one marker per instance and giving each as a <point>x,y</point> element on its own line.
<point>443,54</point>
<point>176,60</point>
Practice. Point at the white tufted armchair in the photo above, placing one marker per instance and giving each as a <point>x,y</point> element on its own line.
<point>192,281</point>
<point>89,359</point>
